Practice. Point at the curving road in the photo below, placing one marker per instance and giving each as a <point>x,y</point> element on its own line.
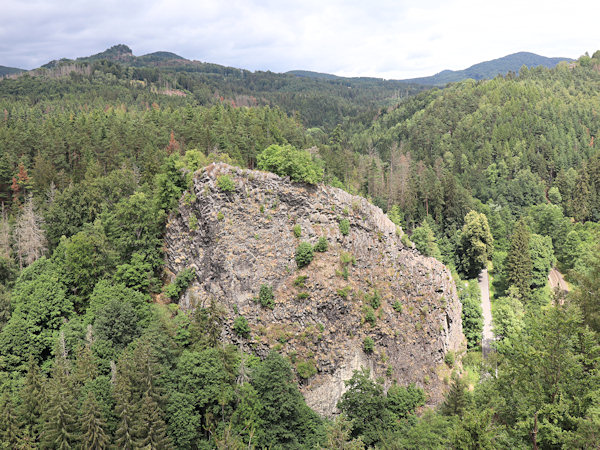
<point>486,306</point>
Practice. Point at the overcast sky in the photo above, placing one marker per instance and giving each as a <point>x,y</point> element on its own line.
<point>383,38</point>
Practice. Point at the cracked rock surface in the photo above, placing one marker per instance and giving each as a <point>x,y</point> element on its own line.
<point>237,241</point>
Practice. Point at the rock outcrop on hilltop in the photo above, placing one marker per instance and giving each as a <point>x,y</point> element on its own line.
<point>367,283</point>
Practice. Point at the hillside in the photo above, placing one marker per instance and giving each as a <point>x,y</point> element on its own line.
<point>9,70</point>
<point>319,103</point>
<point>154,286</point>
<point>489,69</point>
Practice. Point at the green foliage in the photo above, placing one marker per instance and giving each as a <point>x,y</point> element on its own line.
<point>300,280</point>
<point>425,241</point>
<point>406,241</point>
<point>519,266</point>
<point>41,305</point>
<point>374,299</point>
<point>225,183</point>
<point>306,369</point>
<point>472,315</point>
<point>83,260</point>
<point>554,196</point>
<point>288,422</point>
<point>304,254</point>
<point>587,293</point>
<point>508,315</point>
<point>397,307</point>
<point>368,344</point>
<point>344,225</point>
<point>285,160</point>
<point>458,398</point>
<point>370,316</point>
<point>476,244</point>
<point>365,404</point>
<point>137,274</point>
<point>449,359</point>
<point>344,292</point>
<point>180,284</point>
<point>403,400</point>
<point>346,258</point>
<point>241,327</point>
<point>322,245</point>
<point>542,259</point>
<point>93,425</point>
<point>266,297</point>
<point>297,229</point>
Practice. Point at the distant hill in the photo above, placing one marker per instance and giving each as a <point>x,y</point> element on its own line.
<point>9,70</point>
<point>489,69</point>
<point>309,74</point>
<point>123,54</point>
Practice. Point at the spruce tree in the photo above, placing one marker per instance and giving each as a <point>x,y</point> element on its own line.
<point>458,398</point>
<point>150,428</point>
<point>124,409</point>
<point>9,427</point>
<point>32,398</point>
<point>518,262</point>
<point>58,417</point>
<point>92,425</point>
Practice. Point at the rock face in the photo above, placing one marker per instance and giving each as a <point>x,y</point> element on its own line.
<point>367,283</point>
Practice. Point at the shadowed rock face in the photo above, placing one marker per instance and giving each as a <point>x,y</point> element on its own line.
<point>237,241</point>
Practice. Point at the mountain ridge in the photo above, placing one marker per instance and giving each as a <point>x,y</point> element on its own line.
<point>490,69</point>
<point>4,70</point>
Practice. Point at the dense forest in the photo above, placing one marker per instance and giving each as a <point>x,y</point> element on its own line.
<point>94,155</point>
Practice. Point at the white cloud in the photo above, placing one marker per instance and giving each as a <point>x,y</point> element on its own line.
<point>386,38</point>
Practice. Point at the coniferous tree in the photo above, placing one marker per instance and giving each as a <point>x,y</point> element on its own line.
<point>92,425</point>
<point>518,262</point>
<point>125,411</point>
<point>29,237</point>
<point>150,428</point>
<point>32,398</point>
<point>9,427</point>
<point>59,414</point>
<point>457,399</point>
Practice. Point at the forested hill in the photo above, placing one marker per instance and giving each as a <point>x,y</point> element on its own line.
<point>321,103</point>
<point>96,348</point>
<point>506,146</point>
<point>490,69</point>
<point>9,70</point>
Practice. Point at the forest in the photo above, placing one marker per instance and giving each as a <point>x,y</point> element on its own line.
<point>502,174</point>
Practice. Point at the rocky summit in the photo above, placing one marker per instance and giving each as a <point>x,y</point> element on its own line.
<point>364,300</point>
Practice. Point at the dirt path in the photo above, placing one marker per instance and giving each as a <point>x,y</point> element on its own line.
<point>486,306</point>
<point>557,280</point>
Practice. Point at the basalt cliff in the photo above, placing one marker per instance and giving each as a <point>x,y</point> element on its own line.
<point>243,235</point>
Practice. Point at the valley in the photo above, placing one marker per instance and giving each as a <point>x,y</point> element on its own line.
<point>200,256</point>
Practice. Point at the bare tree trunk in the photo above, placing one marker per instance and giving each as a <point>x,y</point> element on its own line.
<point>29,236</point>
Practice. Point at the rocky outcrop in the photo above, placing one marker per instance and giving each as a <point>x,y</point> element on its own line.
<point>367,284</point>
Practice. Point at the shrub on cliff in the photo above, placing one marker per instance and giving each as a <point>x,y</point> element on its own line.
<point>286,160</point>
<point>322,245</point>
<point>180,284</point>
<point>266,297</point>
<point>241,327</point>
<point>225,183</point>
<point>304,254</point>
<point>344,227</point>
